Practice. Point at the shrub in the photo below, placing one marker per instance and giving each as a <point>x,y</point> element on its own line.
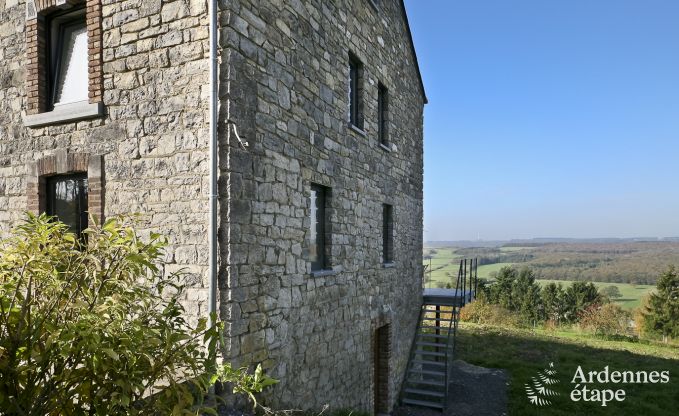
<point>607,320</point>
<point>93,326</point>
<point>481,312</point>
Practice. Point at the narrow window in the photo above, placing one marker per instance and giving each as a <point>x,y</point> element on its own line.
<point>387,233</point>
<point>67,200</point>
<point>355,92</point>
<point>68,58</point>
<point>317,240</point>
<point>382,114</point>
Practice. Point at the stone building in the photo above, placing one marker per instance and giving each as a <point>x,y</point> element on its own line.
<point>104,110</point>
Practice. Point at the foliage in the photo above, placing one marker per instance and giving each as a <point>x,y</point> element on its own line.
<point>244,382</point>
<point>94,326</point>
<point>552,300</point>
<point>611,292</point>
<point>608,319</point>
<point>578,297</point>
<point>519,292</point>
<point>662,312</point>
<point>482,312</point>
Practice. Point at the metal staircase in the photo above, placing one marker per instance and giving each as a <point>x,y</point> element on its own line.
<point>428,371</point>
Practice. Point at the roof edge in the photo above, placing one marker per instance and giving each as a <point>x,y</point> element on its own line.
<point>412,48</point>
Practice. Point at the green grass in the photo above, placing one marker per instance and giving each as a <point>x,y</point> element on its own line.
<point>486,270</point>
<point>524,353</point>
<point>631,294</point>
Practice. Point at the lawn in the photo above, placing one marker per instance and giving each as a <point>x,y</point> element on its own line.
<point>524,353</point>
<point>631,294</point>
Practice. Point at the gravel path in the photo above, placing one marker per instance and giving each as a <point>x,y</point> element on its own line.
<point>474,391</point>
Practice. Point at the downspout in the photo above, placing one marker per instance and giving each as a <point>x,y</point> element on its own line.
<point>214,161</point>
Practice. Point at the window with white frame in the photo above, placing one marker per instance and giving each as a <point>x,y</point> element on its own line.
<point>68,57</point>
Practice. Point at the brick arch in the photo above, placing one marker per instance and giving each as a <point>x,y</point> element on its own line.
<point>36,54</point>
<point>60,163</point>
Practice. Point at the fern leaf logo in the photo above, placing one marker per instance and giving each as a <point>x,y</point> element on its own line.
<point>537,390</point>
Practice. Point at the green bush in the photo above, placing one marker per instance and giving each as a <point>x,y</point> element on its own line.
<point>482,312</point>
<point>608,320</point>
<point>93,326</point>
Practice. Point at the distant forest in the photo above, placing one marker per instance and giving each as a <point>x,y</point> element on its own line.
<point>630,262</point>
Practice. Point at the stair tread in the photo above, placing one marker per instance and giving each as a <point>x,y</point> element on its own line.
<point>431,344</point>
<point>437,383</point>
<point>434,353</point>
<point>428,372</point>
<point>424,392</point>
<point>436,363</point>
<point>424,403</point>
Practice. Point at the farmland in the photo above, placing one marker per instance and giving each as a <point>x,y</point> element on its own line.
<point>632,267</point>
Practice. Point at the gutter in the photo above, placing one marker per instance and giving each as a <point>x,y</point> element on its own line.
<point>214,162</point>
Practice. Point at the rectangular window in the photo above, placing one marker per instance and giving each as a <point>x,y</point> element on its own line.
<point>387,233</point>
<point>67,200</point>
<point>68,57</point>
<point>355,92</point>
<point>318,237</point>
<point>382,114</point>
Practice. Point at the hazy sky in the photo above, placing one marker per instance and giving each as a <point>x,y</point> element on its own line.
<point>549,118</point>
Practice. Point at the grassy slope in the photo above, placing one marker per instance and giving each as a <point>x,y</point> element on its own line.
<point>631,294</point>
<point>524,353</point>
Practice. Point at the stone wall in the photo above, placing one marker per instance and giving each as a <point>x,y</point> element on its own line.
<point>284,79</point>
<point>285,85</point>
<point>153,137</point>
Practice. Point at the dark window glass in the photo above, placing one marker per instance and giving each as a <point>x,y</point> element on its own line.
<point>387,233</point>
<point>382,114</point>
<point>355,92</point>
<point>67,200</point>
<point>317,254</point>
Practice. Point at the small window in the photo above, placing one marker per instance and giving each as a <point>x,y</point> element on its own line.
<point>383,114</point>
<point>387,233</point>
<point>67,200</point>
<point>69,68</point>
<point>318,236</point>
<point>355,92</point>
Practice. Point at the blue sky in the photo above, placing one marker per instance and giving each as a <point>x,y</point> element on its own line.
<point>549,118</point>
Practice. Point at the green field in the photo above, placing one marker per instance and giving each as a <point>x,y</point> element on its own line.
<point>524,353</point>
<point>631,294</point>
<point>487,270</point>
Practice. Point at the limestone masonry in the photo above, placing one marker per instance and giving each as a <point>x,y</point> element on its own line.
<point>141,136</point>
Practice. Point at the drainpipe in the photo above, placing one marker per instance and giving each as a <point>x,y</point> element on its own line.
<point>214,161</point>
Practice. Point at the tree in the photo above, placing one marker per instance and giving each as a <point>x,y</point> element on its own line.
<point>553,301</point>
<point>92,326</point>
<point>526,296</point>
<point>662,312</point>
<point>611,292</point>
<point>501,289</point>
<point>578,297</point>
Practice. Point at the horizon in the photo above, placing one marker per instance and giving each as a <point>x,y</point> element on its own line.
<point>549,118</point>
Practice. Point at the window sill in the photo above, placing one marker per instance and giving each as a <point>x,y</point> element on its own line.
<point>326,272</point>
<point>385,148</point>
<point>65,114</point>
<point>389,265</point>
<point>357,130</point>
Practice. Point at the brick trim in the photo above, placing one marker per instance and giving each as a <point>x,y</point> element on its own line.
<point>37,67</point>
<point>382,344</point>
<point>61,163</point>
